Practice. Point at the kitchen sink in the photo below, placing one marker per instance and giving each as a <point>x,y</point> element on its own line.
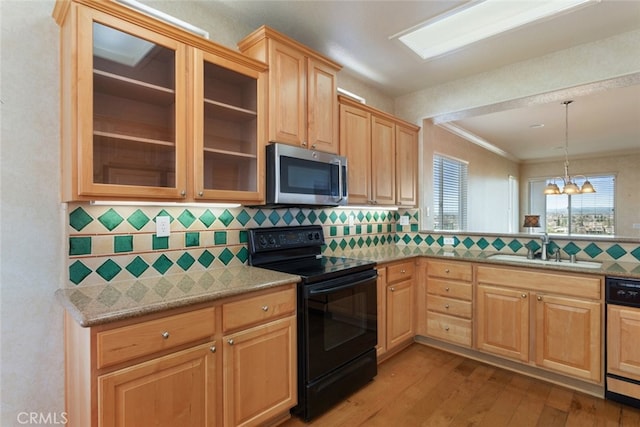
<point>537,261</point>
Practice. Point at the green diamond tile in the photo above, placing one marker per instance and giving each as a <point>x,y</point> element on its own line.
<point>109,296</point>
<point>137,266</point>
<point>79,219</point>
<point>186,218</point>
<point>226,217</point>
<point>206,258</point>
<point>137,291</point>
<point>533,245</point>
<point>376,216</point>
<point>482,243</point>
<point>360,242</point>
<point>467,242</point>
<point>368,241</point>
<point>78,272</point>
<point>352,243</point>
<point>376,240</point>
<point>186,284</point>
<point>108,270</point>
<point>616,251</point>
<point>396,238</point>
<point>440,240</point>
<point>498,244</point>
<point>636,253</point>
<point>430,240</point>
<point>79,245</point>
<point>122,244</point>
<point>288,217</point>
<point>159,242</point>
<point>185,261</point>
<point>592,250</point>
<point>342,244</point>
<point>220,237</point>
<point>383,216</point>
<point>333,245</point>
<point>259,217</point>
<point>162,264</point>
<point>192,239</point>
<point>243,236</point>
<point>165,213</point>
<point>243,255</point>
<point>571,248</point>
<point>515,245</point>
<point>243,217</point>
<point>312,217</point>
<point>110,219</point>
<point>343,217</point>
<point>406,238</point>
<point>368,216</point>
<point>300,217</point>
<point>274,217</point>
<point>226,256</point>
<point>322,216</point>
<point>162,287</point>
<point>417,239</point>
<point>333,217</point>
<point>138,219</point>
<point>360,216</point>
<point>207,218</point>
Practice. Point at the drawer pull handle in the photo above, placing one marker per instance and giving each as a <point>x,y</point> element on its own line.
<point>212,348</point>
<point>446,270</point>
<point>446,289</point>
<point>403,271</point>
<point>446,328</point>
<point>446,306</point>
<point>539,298</point>
<point>524,295</point>
<point>230,342</point>
<point>265,308</point>
<point>165,335</point>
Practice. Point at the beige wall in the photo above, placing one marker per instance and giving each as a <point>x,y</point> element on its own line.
<point>488,180</point>
<point>624,167</point>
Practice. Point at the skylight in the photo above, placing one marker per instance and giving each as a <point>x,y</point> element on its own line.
<point>478,20</point>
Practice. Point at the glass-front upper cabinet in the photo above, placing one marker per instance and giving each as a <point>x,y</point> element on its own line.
<point>131,103</point>
<point>229,132</point>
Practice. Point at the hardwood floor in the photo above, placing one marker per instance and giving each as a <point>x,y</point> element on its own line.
<point>423,386</point>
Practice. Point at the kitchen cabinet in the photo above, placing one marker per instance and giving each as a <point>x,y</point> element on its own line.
<point>170,116</point>
<point>400,300</point>
<point>550,320</point>
<point>230,362</point>
<point>382,154</point>
<point>302,87</point>
<point>381,294</point>
<point>623,351</point>
<point>449,301</point>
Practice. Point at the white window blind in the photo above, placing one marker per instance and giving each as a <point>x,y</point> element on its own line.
<point>450,193</point>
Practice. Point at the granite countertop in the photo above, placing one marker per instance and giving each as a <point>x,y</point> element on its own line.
<point>98,304</point>
<point>104,303</point>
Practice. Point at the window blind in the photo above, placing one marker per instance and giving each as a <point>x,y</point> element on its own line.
<point>450,193</point>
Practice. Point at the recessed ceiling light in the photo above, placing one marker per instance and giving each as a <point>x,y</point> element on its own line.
<point>476,21</point>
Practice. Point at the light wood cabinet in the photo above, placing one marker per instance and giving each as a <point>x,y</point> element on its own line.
<point>449,301</point>
<point>231,362</point>
<point>130,111</point>
<point>381,293</point>
<point>551,320</point>
<point>303,105</point>
<point>623,351</point>
<point>382,155</point>
<point>400,300</point>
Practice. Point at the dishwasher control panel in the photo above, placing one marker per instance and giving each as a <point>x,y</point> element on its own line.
<point>621,291</point>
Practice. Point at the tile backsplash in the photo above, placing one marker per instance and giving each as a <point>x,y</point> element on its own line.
<point>113,243</point>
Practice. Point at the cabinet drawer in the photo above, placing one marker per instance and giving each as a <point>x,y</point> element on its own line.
<point>450,270</point>
<point>145,338</point>
<point>258,309</point>
<point>449,289</point>
<point>449,328</point>
<point>449,306</point>
<point>398,272</point>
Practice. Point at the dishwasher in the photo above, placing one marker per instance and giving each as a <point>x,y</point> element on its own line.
<point>622,299</point>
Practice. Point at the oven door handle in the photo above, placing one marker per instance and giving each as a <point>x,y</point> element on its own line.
<point>330,289</point>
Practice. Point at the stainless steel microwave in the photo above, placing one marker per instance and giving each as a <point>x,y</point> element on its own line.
<point>298,176</point>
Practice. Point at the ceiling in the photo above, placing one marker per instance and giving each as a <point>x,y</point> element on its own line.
<point>358,35</point>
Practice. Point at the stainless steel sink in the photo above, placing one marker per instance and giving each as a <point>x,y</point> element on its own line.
<point>563,263</point>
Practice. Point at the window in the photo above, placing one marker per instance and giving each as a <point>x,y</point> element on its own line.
<point>449,193</point>
<point>582,214</point>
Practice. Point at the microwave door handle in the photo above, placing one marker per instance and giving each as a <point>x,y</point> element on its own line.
<point>340,197</point>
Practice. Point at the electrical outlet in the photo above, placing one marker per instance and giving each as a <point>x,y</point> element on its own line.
<point>404,220</point>
<point>448,241</point>
<point>163,226</point>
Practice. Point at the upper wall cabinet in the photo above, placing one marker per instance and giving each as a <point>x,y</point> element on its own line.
<point>382,151</point>
<point>150,111</point>
<point>303,105</point>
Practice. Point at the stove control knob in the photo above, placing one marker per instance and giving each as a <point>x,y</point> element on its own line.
<point>272,240</point>
<point>262,241</point>
<point>317,236</point>
<point>310,236</point>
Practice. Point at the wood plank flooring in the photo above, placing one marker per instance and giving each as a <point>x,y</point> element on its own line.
<point>423,386</point>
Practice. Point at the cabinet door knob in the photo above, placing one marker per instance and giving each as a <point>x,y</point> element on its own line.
<point>200,193</point>
<point>165,335</point>
<point>539,298</point>
<point>265,308</point>
<point>304,143</point>
<point>402,271</point>
<point>230,342</point>
<point>524,295</point>
<point>183,193</point>
<point>392,289</point>
<point>446,306</point>
<point>313,146</point>
<point>212,349</point>
<point>446,328</point>
<point>446,289</point>
<point>446,271</point>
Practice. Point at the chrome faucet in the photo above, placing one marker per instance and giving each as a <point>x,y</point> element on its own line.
<point>545,241</point>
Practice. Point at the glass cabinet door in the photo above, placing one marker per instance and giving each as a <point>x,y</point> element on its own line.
<point>228,152</point>
<point>134,95</point>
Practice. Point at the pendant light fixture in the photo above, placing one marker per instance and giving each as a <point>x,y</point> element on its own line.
<point>569,185</point>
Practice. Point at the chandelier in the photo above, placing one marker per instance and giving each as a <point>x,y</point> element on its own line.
<point>569,184</point>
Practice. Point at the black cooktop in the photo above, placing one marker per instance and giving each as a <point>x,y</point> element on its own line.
<point>324,267</point>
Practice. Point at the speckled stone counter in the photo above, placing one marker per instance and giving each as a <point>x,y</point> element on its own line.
<point>97,304</point>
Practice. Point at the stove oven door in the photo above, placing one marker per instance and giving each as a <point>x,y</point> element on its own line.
<point>339,322</point>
